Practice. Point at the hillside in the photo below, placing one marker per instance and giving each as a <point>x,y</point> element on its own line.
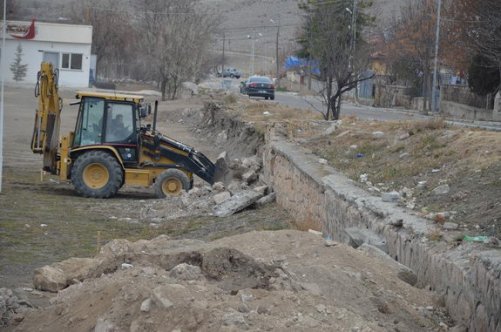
<point>247,27</point>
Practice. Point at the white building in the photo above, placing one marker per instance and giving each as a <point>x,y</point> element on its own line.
<point>67,46</point>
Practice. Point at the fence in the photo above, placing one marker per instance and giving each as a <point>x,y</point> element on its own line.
<point>463,95</point>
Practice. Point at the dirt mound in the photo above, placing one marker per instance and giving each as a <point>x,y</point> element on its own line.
<point>256,281</point>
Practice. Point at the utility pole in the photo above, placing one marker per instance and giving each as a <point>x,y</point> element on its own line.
<point>224,42</point>
<point>434,90</point>
<point>309,52</point>
<point>276,54</point>
<point>253,52</point>
<point>277,62</point>
<point>2,83</point>
<point>353,41</point>
<point>353,26</point>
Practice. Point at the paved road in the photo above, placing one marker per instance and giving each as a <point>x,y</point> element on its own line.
<point>314,104</point>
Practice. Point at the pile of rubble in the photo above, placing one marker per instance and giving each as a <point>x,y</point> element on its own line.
<point>243,189</point>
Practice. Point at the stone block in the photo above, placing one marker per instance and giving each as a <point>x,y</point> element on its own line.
<point>391,196</point>
<point>236,203</point>
<point>358,236</point>
<point>221,197</point>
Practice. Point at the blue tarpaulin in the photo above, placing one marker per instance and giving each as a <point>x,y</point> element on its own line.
<point>295,63</point>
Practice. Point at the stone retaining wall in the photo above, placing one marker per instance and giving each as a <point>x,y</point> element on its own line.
<point>467,276</point>
<point>457,111</point>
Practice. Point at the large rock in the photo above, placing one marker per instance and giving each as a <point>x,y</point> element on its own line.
<point>358,236</point>
<point>249,177</point>
<point>222,173</point>
<point>237,202</point>
<point>49,278</point>
<point>252,163</point>
<point>186,271</point>
<point>221,197</point>
<point>58,276</point>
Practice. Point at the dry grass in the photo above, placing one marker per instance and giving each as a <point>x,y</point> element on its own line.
<point>429,145</point>
<point>262,113</point>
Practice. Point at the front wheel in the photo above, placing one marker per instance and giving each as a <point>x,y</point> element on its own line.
<point>97,174</point>
<point>171,183</point>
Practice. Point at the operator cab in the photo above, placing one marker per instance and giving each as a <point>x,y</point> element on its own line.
<point>109,119</point>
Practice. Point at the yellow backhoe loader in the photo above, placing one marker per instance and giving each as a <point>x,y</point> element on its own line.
<point>110,147</point>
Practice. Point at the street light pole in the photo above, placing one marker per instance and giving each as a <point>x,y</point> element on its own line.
<point>353,25</point>
<point>253,53</point>
<point>2,94</point>
<point>434,105</point>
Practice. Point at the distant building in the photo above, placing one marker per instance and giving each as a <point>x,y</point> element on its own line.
<point>67,46</point>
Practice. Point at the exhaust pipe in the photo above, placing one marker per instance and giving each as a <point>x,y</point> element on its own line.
<point>155,112</point>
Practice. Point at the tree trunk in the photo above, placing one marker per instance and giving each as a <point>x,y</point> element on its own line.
<point>163,88</point>
<point>174,88</point>
<point>330,109</point>
<point>425,91</point>
<point>337,106</point>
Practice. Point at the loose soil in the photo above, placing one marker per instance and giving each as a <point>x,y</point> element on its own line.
<point>258,281</point>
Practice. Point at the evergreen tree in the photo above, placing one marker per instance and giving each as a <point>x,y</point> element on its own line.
<point>18,69</point>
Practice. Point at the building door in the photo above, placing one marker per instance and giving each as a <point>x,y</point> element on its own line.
<point>51,57</point>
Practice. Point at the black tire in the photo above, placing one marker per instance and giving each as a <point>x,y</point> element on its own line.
<point>97,174</point>
<point>265,98</point>
<point>272,97</point>
<point>171,182</point>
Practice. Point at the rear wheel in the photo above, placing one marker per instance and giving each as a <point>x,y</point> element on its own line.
<point>272,97</point>
<point>171,183</point>
<point>97,174</point>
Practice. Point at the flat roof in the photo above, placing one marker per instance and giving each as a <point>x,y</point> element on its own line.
<point>110,96</point>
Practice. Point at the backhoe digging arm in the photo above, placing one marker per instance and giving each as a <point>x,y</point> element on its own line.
<point>45,138</point>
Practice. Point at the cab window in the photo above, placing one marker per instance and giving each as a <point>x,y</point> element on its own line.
<point>89,129</point>
<point>119,122</point>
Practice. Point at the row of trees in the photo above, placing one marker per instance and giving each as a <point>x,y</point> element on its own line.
<point>470,43</point>
<point>166,41</point>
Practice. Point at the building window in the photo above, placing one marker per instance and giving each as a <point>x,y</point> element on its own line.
<point>72,61</point>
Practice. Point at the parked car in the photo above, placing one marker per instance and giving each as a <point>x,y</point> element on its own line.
<point>259,86</point>
<point>230,72</point>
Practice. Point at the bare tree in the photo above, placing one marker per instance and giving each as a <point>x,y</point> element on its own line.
<point>113,36</point>
<point>341,52</point>
<point>175,39</point>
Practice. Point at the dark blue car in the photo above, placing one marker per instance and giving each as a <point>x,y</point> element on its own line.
<point>259,86</point>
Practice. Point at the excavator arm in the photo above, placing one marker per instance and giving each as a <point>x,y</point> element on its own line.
<point>45,138</point>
